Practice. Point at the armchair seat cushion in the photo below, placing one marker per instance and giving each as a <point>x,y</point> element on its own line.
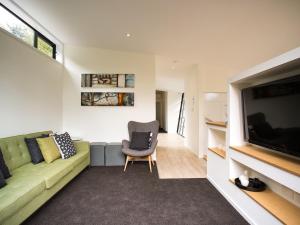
<point>135,153</point>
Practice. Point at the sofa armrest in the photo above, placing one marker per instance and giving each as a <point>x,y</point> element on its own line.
<point>82,146</point>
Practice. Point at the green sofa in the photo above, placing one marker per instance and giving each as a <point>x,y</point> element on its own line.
<point>32,185</point>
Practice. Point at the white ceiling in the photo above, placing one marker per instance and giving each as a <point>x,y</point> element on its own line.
<point>186,30</point>
<point>170,73</point>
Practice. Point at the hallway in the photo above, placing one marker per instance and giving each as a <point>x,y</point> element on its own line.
<point>175,161</point>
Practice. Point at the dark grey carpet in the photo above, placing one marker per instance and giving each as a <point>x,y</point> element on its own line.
<point>107,195</point>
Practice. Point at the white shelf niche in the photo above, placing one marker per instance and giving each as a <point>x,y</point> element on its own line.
<point>281,176</point>
<point>282,195</point>
<point>216,138</point>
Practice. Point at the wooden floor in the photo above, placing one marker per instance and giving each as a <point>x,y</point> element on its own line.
<point>175,161</point>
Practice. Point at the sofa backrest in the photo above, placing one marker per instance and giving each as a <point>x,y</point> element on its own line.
<point>15,151</point>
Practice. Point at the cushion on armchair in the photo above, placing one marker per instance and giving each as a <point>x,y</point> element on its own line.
<point>140,140</point>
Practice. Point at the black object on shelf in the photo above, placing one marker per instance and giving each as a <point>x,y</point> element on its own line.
<point>254,185</point>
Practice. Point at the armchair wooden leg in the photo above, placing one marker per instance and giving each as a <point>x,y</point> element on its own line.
<point>153,163</point>
<point>127,159</point>
<point>149,160</point>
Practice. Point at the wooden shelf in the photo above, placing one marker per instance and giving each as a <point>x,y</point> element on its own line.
<point>217,123</point>
<point>279,161</point>
<point>218,151</point>
<point>279,207</point>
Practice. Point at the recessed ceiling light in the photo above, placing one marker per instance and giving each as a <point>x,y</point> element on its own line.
<point>128,34</point>
<point>173,66</point>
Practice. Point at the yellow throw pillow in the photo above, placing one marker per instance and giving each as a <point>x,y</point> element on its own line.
<point>48,148</point>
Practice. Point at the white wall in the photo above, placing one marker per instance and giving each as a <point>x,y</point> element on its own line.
<point>106,123</point>
<point>173,108</point>
<point>192,92</point>
<point>169,76</point>
<point>215,106</point>
<point>217,72</point>
<point>166,83</point>
<point>30,89</point>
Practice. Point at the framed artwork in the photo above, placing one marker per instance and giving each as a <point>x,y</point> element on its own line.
<point>107,99</point>
<point>107,80</point>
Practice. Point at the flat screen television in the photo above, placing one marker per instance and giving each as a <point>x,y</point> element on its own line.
<point>271,115</point>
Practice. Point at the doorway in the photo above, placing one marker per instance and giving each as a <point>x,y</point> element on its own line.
<point>161,110</point>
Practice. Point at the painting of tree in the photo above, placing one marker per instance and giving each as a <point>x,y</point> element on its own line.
<point>107,99</point>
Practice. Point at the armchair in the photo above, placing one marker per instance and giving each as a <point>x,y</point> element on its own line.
<point>132,154</point>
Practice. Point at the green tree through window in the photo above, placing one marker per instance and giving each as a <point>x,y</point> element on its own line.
<point>44,47</point>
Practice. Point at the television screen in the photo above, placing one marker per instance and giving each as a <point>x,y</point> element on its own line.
<point>272,115</point>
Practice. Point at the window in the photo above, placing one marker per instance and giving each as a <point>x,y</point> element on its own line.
<point>181,118</point>
<point>19,28</point>
<point>45,46</point>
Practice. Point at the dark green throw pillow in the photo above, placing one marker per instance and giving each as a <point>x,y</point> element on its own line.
<point>2,180</point>
<point>34,149</point>
<point>3,167</point>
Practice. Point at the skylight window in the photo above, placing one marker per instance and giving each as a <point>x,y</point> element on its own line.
<point>22,30</point>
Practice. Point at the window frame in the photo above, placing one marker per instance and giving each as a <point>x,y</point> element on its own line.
<point>181,118</point>
<point>36,33</point>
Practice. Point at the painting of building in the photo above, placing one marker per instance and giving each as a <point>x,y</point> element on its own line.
<point>108,80</point>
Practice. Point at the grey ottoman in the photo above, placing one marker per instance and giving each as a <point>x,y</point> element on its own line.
<point>114,155</point>
<point>97,153</point>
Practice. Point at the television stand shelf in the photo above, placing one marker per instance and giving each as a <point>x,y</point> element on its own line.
<point>282,162</point>
<point>216,123</point>
<point>220,152</point>
<point>279,207</point>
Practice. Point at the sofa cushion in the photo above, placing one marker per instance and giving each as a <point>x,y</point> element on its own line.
<point>3,167</point>
<point>21,188</point>
<point>82,146</point>
<point>65,145</point>
<point>78,158</point>
<point>15,151</point>
<point>48,148</point>
<point>59,168</point>
<point>55,171</point>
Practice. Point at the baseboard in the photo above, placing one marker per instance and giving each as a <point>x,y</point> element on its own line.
<point>227,197</point>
